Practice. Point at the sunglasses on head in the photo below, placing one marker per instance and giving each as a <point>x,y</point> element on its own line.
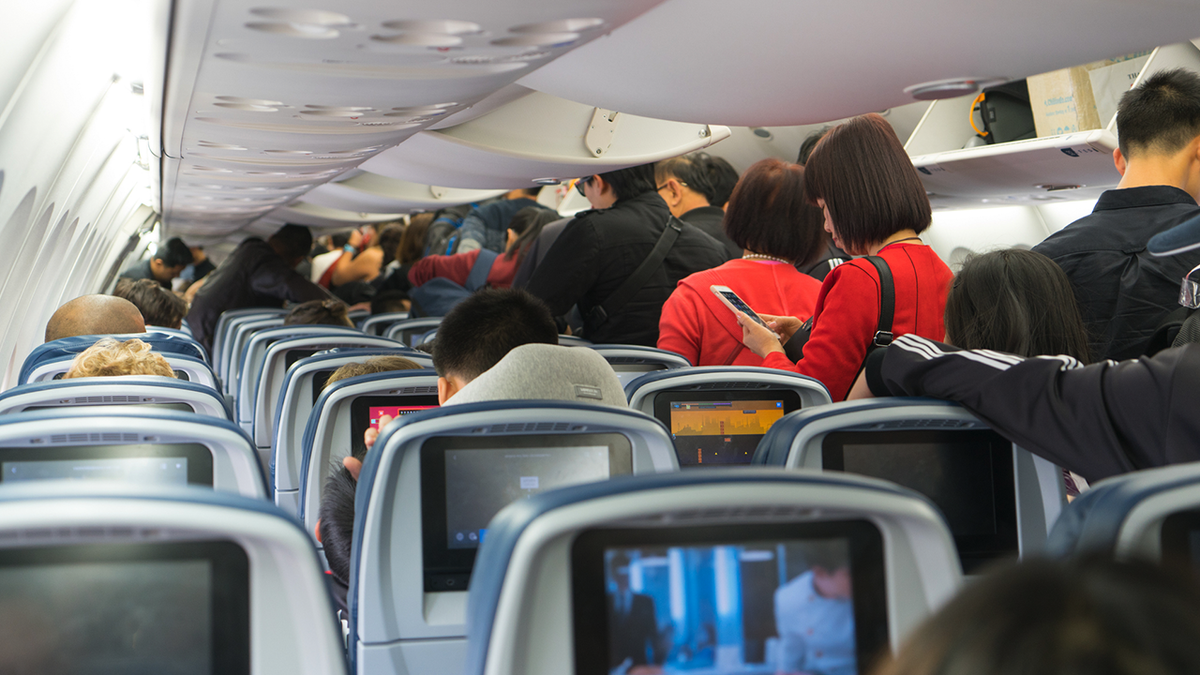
<point>582,182</point>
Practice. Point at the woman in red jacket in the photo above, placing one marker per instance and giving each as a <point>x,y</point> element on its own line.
<point>769,217</point>
<point>874,204</point>
<point>523,230</point>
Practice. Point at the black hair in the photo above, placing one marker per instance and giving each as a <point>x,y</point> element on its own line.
<point>631,182</point>
<point>1161,115</point>
<point>328,312</point>
<point>1015,301</point>
<point>340,238</point>
<point>721,175</point>
<point>388,301</point>
<point>690,170</point>
<point>174,253</point>
<point>809,143</point>
<point>337,521</point>
<point>486,326</point>
<point>528,224</point>
<point>159,307</point>
<point>292,241</point>
<point>1090,616</point>
<point>389,240</point>
<point>531,192</point>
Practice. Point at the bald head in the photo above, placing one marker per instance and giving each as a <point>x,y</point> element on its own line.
<point>95,315</point>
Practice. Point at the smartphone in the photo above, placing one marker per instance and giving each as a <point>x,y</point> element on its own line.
<point>734,303</point>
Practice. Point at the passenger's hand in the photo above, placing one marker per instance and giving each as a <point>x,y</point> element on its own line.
<point>786,326</point>
<point>372,434</point>
<point>860,389</point>
<point>760,340</point>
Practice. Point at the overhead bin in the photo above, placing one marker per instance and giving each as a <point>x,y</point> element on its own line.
<point>301,213</point>
<point>371,193</point>
<point>539,136</point>
<point>1076,165</point>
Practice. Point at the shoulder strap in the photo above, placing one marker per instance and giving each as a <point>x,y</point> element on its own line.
<point>480,270</point>
<point>634,282</point>
<point>887,302</point>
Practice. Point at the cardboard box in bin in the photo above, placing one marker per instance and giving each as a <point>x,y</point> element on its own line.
<point>1083,97</point>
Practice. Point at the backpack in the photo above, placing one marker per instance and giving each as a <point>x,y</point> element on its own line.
<point>442,237</point>
<point>439,295</point>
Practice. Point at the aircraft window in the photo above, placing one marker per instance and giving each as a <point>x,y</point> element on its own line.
<point>135,608</point>
<point>733,598</point>
<point>465,481</point>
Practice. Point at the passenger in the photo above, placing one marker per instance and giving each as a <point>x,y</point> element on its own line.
<point>114,357</point>
<point>538,249</point>
<point>765,218</point>
<point>341,244</point>
<point>196,271</point>
<point>95,315</point>
<point>723,177</point>
<point>684,184</point>
<point>386,302</point>
<point>487,226</point>
<point>874,204</point>
<point>411,249</point>
<point>257,274</point>
<point>164,265</point>
<point>601,248</point>
<point>526,225</point>
<point>355,278</point>
<point>833,256</point>
<point>1017,302</point>
<point>319,312</point>
<point>335,526</point>
<point>159,307</point>
<point>1051,617</point>
<point>814,615</point>
<point>1123,292</point>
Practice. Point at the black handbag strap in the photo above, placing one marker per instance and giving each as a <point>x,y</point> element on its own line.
<point>887,303</point>
<point>634,282</point>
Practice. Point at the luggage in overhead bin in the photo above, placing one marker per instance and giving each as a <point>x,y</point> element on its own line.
<point>1006,113</point>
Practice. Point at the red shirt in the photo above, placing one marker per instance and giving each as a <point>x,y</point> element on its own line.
<point>457,268</point>
<point>696,325</point>
<point>847,313</point>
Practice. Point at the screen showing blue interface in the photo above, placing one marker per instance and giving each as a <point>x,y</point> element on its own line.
<point>156,470</point>
<point>481,482</point>
<point>751,607</point>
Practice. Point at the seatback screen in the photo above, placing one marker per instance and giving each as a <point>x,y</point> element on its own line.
<point>730,599</point>
<point>721,428</point>
<point>376,412</point>
<point>181,608</point>
<point>968,474</point>
<point>1181,539</point>
<point>465,481</point>
<point>159,464</point>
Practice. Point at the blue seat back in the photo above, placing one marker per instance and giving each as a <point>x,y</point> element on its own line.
<point>133,390</point>
<point>287,625</point>
<point>632,361</point>
<point>187,369</point>
<point>235,346</point>
<point>891,436</point>
<point>408,330</point>
<point>223,331</point>
<point>389,620</point>
<point>521,609</point>
<point>54,351</point>
<point>377,324</point>
<point>249,368</point>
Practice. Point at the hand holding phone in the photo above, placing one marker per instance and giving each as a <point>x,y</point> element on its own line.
<point>736,304</point>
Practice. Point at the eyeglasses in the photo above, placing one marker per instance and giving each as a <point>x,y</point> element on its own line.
<point>664,185</point>
<point>582,182</point>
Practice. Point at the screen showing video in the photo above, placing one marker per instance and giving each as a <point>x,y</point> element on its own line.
<point>720,432</point>
<point>778,605</point>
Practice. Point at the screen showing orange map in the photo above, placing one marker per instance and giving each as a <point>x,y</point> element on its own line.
<point>720,432</point>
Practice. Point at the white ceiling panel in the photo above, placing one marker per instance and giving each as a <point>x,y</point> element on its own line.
<point>770,63</point>
<point>371,193</point>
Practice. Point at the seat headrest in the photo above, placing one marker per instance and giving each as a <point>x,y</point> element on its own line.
<point>547,372</point>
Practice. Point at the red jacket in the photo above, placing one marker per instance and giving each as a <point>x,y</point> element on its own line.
<point>457,268</point>
<point>696,325</point>
<point>847,313</point>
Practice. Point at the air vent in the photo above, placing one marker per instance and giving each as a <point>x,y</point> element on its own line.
<point>713,386</point>
<point>82,400</point>
<point>725,515</point>
<point>414,390</point>
<point>920,424</point>
<point>516,428</point>
<point>107,437</point>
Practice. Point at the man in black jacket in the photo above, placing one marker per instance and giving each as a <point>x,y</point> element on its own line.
<point>257,274</point>
<point>603,247</point>
<point>685,184</point>
<point>1123,292</point>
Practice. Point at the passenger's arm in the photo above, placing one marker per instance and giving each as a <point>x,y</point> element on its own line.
<point>1098,421</point>
<point>363,267</point>
<point>456,268</point>
<point>680,325</point>
<point>569,269</point>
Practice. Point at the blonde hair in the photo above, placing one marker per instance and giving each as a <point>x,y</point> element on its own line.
<point>375,364</point>
<point>113,357</point>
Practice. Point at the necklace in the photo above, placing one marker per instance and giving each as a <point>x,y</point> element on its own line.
<point>759,256</point>
<point>900,240</point>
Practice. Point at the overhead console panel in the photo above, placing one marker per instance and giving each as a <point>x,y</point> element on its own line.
<point>263,102</point>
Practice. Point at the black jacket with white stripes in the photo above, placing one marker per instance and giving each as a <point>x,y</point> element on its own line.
<point>1099,420</point>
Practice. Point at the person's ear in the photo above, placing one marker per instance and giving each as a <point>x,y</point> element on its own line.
<point>1119,161</point>
<point>447,387</point>
<point>353,465</point>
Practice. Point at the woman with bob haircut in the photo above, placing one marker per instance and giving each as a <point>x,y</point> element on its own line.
<point>766,219</point>
<point>1089,616</point>
<point>110,357</point>
<point>874,204</point>
<point>1017,302</point>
